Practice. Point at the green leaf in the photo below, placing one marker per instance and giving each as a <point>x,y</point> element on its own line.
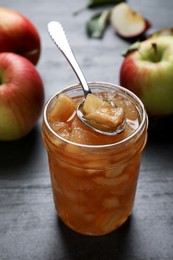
<point>135,46</point>
<point>96,3</point>
<point>97,24</point>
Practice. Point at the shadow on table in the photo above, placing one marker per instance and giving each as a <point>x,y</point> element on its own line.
<point>115,245</point>
<point>161,130</point>
<point>15,154</point>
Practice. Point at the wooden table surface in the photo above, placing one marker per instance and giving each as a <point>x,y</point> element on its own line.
<point>29,226</point>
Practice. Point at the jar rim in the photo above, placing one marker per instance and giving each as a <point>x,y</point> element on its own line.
<point>101,84</point>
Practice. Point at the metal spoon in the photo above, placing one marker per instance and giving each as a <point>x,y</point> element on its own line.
<point>58,35</point>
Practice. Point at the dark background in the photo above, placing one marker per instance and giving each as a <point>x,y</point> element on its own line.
<point>29,227</point>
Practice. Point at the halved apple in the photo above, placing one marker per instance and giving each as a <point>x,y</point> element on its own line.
<point>127,23</point>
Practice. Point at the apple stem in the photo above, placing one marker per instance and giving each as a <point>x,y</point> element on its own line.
<point>154,45</point>
<point>155,48</point>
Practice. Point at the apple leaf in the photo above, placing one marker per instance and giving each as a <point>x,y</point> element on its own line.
<point>135,46</point>
<point>97,3</point>
<point>97,24</point>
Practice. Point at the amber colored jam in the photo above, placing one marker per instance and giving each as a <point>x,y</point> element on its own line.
<point>94,177</point>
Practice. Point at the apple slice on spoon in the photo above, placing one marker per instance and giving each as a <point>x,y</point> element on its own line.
<point>127,23</point>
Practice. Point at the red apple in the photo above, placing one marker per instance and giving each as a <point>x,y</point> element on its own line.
<point>19,35</point>
<point>128,23</point>
<point>21,96</point>
<point>148,72</point>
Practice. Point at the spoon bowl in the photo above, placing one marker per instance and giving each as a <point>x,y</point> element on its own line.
<point>58,35</point>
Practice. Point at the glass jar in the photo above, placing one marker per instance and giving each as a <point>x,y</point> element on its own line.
<point>94,185</point>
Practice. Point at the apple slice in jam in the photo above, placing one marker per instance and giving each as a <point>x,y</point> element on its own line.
<point>63,109</point>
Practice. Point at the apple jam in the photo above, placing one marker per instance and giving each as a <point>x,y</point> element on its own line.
<point>93,176</point>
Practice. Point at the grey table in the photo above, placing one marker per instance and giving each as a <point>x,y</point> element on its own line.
<point>29,226</point>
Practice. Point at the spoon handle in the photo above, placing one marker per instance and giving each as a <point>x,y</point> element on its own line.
<point>58,35</point>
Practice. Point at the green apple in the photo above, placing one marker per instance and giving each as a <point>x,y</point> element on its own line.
<point>148,72</point>
<point>162,32</point>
